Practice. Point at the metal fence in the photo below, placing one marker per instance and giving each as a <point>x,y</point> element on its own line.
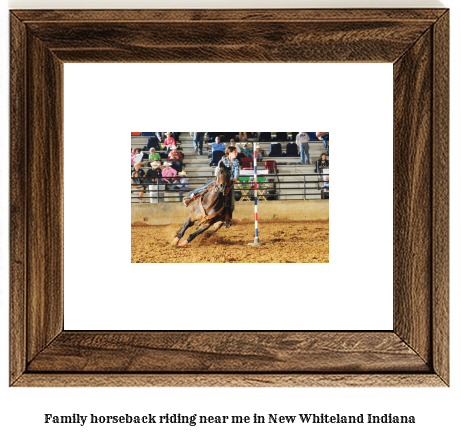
<point>274,187</point>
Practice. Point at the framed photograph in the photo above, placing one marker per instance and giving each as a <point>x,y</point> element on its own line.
<point>199,203</point>
<point>414,353</point>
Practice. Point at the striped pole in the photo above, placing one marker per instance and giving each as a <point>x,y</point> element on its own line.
<point>256,241</point>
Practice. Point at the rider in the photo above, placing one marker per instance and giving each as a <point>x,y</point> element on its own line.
<point>230,161</point>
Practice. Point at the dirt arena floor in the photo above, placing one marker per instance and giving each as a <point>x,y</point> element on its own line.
<point>286,242</point>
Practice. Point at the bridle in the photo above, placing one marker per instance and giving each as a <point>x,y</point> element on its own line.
<point>226,189</point>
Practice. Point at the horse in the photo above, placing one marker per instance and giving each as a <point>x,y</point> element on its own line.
<point>211,208</point>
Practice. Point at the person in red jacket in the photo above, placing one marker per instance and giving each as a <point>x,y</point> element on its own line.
<point>175,158</point>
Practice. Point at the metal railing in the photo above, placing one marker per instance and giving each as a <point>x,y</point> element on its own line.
<point>297,187</point>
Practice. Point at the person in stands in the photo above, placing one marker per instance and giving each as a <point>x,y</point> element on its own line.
<point>137,180</point>
<point>175,158</point>
<point>247,150</point>
<point>153,156</point>
<point>322,163</point>
<point>245,135</point>
<point>325,137</point>
<point>154,174</point>
<point>133,154</point>
<point>136,156</point>
<point>168,174</point>
<point>260,154</point>
<point>218,145</point>
<point>198,141</point>
<point>169,141</point>
<point>302,139</point>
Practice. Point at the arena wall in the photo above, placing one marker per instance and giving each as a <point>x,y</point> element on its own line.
<point>176,213</point>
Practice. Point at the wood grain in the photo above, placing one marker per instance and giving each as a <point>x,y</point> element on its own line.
<point>229,15</point>
<point>413,196</point>
<point>313,41</point>
<point>440,206</point>
<point>44,196</point>
<point>230,380</point>
<point>225,351</point>
<point>18,210</point>
<point>414,354</point>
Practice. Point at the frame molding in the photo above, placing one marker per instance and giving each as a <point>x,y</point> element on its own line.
<point>415,353</point>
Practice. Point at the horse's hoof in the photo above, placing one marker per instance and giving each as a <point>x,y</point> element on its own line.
<point>176,241</point>
<point>183,244</point>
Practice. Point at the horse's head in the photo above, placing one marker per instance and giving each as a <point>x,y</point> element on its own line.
<point>222,178</point>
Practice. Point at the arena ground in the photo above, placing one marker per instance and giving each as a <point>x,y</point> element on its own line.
<point>286,242</point>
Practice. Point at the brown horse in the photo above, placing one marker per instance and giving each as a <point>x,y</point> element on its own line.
<point>211,208</point>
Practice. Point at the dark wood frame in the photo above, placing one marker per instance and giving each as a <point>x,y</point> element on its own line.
<point>414,353</point>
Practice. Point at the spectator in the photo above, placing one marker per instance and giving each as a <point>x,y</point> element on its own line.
<point>320,134</point>
<point>154,174</point>
<point>259,153</point>
<point>169,141</point>
<point>247,151</point>
<point>167,174</point>
<point>153,156</point>
<point>240,136</point>
<point>133,154</point>
<point>198,141</point>
<point>175,158</point>
<point>137,180</point>
<point>218,145</point>
<point>322,163</point>
<point>302,139</point>
<point>137,156</point>
<point>325,137</point>
<point>183,184</point>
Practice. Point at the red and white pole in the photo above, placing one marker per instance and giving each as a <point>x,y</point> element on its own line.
<point>255,161</point>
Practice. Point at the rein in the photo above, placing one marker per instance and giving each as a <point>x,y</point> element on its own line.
<point>228,187</point>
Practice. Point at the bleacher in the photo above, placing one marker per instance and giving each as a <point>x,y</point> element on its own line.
<point>289,167</point>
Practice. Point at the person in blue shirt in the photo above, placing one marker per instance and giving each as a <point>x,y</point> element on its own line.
<point>231,161</point>
<point>218,145</point>
<point>248,151</point>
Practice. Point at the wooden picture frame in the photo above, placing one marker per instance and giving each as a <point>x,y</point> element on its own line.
<point>414,353</point>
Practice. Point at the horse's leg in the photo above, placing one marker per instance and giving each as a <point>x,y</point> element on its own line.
<point>181,232</point>
<point>192,236</point>
<point>215,228</point>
